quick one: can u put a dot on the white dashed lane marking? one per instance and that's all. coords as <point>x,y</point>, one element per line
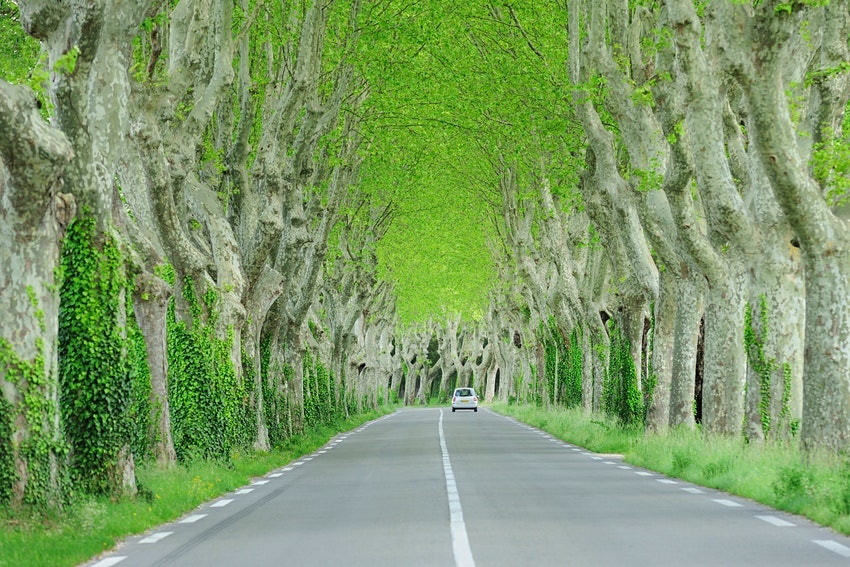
<point>729,503</point>
<point>192,519</point>
<point>778,522</point>
<point>244,491</point>
<point>221,503</point>
<point>834,546</point>
<point>693,490</point>
<point>153,538</point>
<point>110,561</point>
<point>666,481</point>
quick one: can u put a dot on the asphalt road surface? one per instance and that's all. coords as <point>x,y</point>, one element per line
<point>432,487</point>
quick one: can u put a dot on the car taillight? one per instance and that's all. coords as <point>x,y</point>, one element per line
<point>454,398</point>
<point>475,399</point>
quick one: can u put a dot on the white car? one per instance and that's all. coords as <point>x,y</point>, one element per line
<point>464,398</point>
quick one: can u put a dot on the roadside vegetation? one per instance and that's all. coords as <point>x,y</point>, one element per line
<point>90,525</point>
<point>778,474</point>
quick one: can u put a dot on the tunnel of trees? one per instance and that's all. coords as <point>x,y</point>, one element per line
<point>225,221</point>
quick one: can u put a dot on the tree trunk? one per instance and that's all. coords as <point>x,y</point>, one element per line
<point>261,297</point>
<point>150,304</point>
<point>663,333</point>
<point>824,236</point>
<point>33,217</point>
<point>690,302</point>
<point>295,388</point>
<point>725,360</point>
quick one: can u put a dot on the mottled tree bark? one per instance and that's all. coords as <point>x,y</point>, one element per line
<point>150,304</point>
<point>690,302</point>
<point>33,217</point>
<point>663,341</point>
<point>823,233</point>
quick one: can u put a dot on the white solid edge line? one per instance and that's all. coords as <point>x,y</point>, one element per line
<point>460,539</point>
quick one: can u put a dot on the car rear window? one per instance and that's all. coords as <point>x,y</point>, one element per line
<point>463,392</point>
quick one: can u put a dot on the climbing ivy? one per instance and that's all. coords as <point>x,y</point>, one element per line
<point>326,400</point>
<point>8,475</point>
<point>211,412</point>
<point>533,393</point>
<point>765,368</point>
<point>575,361</point>
<point>350,400</point>
<point>320,394</point>
<point>621,396</point>
<point>275,403</point>
<point>93,369</point>
<point>139,412</point>
<point>785,412</point>
<point>759,362</point>
<point>41,449</point>
<point>563,365</point>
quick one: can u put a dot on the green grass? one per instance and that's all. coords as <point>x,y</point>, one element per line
<point>90,526</point>
<point>779,475</point>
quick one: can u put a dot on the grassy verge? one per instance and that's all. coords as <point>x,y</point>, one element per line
<point>779,475</point>
<point>91,526</point>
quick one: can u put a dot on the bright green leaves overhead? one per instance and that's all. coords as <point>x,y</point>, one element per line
<point>458,90</point>
<point>436,254</point>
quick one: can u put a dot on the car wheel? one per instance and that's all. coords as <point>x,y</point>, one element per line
<point>453,410</point>
<point>476,410</point>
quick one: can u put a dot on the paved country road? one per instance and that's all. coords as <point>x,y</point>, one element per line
<point>432,487</point>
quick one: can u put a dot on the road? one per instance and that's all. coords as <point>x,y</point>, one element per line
<point>428,487</point>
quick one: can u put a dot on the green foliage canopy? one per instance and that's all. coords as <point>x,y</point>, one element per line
<point>457,92</point>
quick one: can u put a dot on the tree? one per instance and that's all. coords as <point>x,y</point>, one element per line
<point>33,217</point>
<point>810,199</point>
